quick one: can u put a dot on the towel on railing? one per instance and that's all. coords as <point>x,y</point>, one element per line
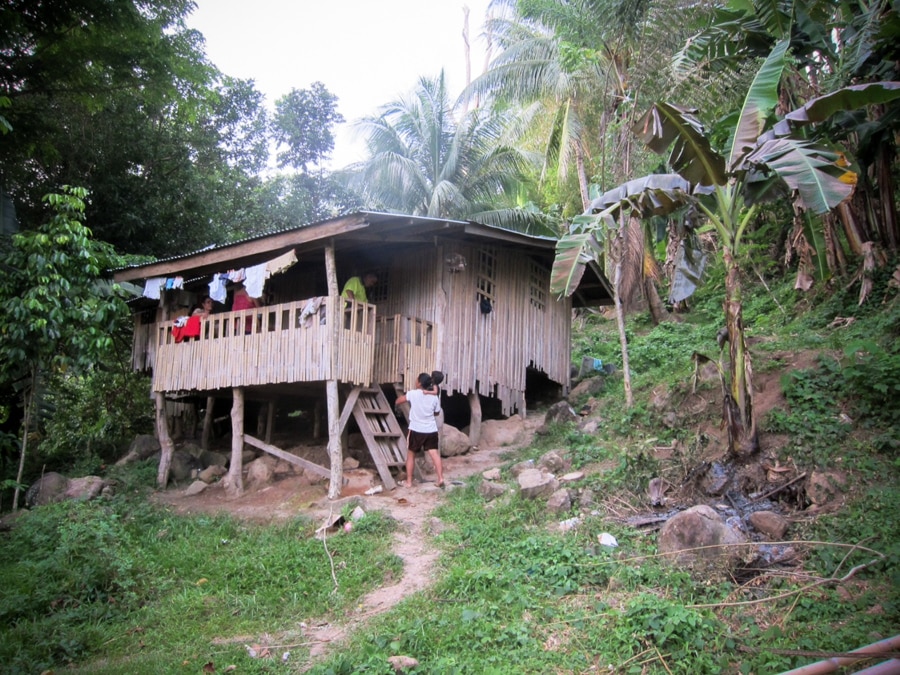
<point>187,329</point>
<point>313,305</point>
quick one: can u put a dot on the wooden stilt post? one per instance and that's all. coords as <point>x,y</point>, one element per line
<point>335,451</point>
<point>207,422</point>
<point>270,421</point>
<point>234,481</point>
<point>475,421</point>
<point>317,419</point>
<point>165,442</point>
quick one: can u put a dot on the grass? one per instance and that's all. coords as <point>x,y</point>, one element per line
<point>122,586</point>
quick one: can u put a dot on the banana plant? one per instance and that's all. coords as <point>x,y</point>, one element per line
<point>763,161</point>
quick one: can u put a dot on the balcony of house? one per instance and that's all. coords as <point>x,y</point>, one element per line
<point>303,341</point>
<point>311,340</point>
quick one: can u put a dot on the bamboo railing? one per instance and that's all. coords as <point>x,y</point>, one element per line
<point>282,344</point>
<point>268,345</point>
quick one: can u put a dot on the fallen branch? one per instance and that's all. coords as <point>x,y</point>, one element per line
<point>328,553</point>
<point>778,489</point>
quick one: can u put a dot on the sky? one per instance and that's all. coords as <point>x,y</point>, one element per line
<point>366,52</point>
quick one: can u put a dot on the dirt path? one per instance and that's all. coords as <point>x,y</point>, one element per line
<point>411,507</point>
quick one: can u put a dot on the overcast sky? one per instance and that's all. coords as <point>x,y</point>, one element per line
<point>366,52</point>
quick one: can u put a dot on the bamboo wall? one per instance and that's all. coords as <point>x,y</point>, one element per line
<point>484,353</point>
<point>277,347</point>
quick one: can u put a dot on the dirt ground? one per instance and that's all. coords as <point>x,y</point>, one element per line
<point>411,507</point>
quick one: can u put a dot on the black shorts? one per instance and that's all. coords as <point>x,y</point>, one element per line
<point>419,441</point>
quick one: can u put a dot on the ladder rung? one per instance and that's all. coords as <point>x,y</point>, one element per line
<point>377,411</point>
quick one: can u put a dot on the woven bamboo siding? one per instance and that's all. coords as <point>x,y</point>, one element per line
<point>404,347</point>
<point>266,345</point>
<point>143,349</point>
<point>489,353</point>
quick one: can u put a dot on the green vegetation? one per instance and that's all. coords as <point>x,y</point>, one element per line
<point>125,585</point>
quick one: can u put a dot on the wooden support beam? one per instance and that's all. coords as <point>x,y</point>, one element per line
<point>165,442</point>
<point>348,407</point>
<point>208,422</point>
<point>234,481</point>
<point>270,421</point>
<point>288,457</point>
<point>475,418</point>
<point>335,451</point>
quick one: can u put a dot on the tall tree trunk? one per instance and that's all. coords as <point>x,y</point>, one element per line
<point>167,448</point>
<point>890,235</point>
<point>658,312</point>
<point>614,247</point>
<point>582,177</point>
<point>743,438</point>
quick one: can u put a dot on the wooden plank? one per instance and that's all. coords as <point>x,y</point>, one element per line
<point>348,407</point>
<point>288,457</point>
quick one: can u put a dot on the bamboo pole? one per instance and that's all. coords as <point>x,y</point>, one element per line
<point>475,418</point>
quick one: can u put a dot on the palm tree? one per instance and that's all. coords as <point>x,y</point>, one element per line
<point>428,160</point>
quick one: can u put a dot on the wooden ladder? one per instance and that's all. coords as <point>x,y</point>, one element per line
<point>378,425</point>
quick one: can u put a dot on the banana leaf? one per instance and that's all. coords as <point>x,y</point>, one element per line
<point>573,253</point>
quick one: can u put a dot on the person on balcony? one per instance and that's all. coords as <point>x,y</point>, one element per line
<point>423,431</point>
<point>355,288</point>
<point>203,308</point>
<point>242,300</point>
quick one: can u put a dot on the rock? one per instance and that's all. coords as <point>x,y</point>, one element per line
<point>715,480</point>
<point>212,473</point>
<point>196,488</point>
<point>589,426</point>
<point>560,501</point>
<point>586,498</point>
<point>247,456</point>
<point>85,488</point>
<point>401,664</point>
<point>516,469</point>
<point>192,449</point>
<point>551,461</point>
<point>212,458</point>
<point>142,447</point>
<point>182,466</point>
<point>360,480</point>
<point>358,513</point>
<point>824,487</point>
<point>453,441</point>
<point>588,387</point>
<point>771,524</point>
<point>501,433</point>
<point>572,477</point>
<point>491,490</point>
<point>351,463</point>
<point>656,490</point>
<point>491,474</point>
<point>260,472</point>
<point>560,413</point>
<point>48,489</point>
<point>534,483</point>
<point>697,527</point>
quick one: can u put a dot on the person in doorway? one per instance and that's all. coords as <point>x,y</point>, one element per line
<point>355,288</point>
<point>423,431</point>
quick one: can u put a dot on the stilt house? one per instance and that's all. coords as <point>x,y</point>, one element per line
<point>470,300</point>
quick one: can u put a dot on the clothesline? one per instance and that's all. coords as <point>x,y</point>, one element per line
<point>253,278</point>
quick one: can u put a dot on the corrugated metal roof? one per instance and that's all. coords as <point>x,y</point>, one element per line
<point>374,216</point>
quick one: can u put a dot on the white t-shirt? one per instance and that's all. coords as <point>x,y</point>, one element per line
<point>422,410</point>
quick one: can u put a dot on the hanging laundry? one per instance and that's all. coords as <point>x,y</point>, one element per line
<point>174,282</point>
<point>236,276</point>
<point>281,263</point>
<point>255,280</point>
<point>312,306</point>
<point>152,287</point>
<point>217,290</point>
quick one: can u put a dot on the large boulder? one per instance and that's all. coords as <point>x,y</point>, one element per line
<point>698,527</point>
<point>560,412</point>
<point>588,387</point>
<point>552,462</point>
<point>85,488</point>
<point>453,441</point>
<point>560,501</point>
<point>769,523</point>
<point>260,472</point>
<point>183,467</point>
<point>141,448</point>
<point>501,433</point>
<point>211,458</point>
<point>48,489</point>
